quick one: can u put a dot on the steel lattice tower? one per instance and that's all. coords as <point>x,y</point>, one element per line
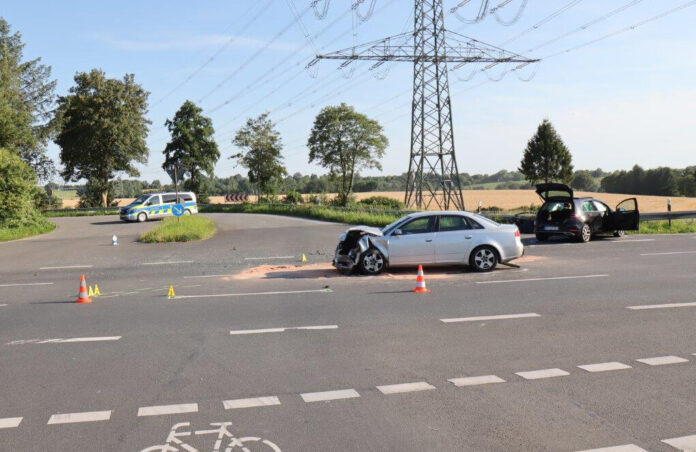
<point>433,176</point>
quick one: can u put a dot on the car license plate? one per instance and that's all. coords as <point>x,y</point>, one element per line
<point>551,228</point>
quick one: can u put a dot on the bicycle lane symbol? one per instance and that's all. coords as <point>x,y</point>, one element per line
<point>224,438</point>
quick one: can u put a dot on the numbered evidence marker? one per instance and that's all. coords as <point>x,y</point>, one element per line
<point>177,210</point>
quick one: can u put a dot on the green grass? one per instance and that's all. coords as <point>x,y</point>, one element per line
<point>66,194</point>
<point>42,227</point>
<point>374,218</point>
<point>79,213</point>
<point>184,229</point>
<point>662,227</point>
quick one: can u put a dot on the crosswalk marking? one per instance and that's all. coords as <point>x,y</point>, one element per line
<point>544,373</point>
<point>685,443</point>
<point>662,360</point>
<point>405,387</point>
<point>623,448</point>
<point>168,409</point>
<point>10,422</point>
<point>474,381</point>
<point>250,403</point>
<point>605,367</point>
<point>329,395</point>
<point>88,416</point>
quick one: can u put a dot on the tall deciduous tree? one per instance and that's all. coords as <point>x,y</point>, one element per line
<point>192,148</point>
<point>26,99</point>
<point>346,142</point>
<point>102,129</point>
<point>546,158</point>
<point>262,145</point>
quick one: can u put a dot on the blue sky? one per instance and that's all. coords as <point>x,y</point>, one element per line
<point>623,100</point>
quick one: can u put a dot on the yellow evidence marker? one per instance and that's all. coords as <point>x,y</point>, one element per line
<point>97,292</point>
<point>91,292</point>
<point>171,293</point>
<point>304,258</point>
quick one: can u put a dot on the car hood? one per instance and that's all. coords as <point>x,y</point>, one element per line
<point>365,229</point>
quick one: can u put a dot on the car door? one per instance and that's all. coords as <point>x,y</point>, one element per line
<point>592,215</point>
<point>453,239</point>
<point>168,202</point>
<point>606,216</point>
<point>626,217</point>
<point>412,242</point>
<point>154,206</point>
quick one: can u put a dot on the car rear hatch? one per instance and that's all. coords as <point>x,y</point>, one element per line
<point>554,192</point>
<point>558,207</point>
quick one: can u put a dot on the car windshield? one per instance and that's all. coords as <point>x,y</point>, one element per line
<point>140,199</point>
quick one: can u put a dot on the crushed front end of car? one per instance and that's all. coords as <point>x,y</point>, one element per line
<point>353,243</point>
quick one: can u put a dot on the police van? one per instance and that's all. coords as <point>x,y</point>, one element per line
<point>158,205</point>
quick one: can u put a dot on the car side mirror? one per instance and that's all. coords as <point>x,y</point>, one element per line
<point>398,232</point>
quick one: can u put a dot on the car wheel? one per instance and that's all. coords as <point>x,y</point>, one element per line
<point>585,233</point>
<point>619,233</point>
<point>484,259</point>
<point>372,262</point>
<point>542,237</point>
<point>142,216</point>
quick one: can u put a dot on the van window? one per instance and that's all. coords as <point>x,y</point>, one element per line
<point>185,198</point>
<point>168,199</point>
<point>154,201</point>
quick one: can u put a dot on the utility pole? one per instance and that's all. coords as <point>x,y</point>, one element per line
<point>433,176</point>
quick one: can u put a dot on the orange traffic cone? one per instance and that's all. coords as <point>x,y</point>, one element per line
<point>83,297</point>
<point>420,282</point>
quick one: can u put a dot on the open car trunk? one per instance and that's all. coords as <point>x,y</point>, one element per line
<point>554,192</point>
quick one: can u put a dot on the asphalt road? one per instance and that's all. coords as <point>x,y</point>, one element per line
<point>344,363</point>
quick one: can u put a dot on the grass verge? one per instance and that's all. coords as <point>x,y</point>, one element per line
<point>184,229</point>
<point>79,213</point>
<point>662,227</point>
<point>22,232</point>
<point>374,218</point>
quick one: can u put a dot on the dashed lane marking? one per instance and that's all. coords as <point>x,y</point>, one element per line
<point>64,341</point>
<point>168,409</point>
<point>65,267</point>
<point>267,258</point>
<point>475,381</point>
<point>544,373</point>
<point>662,360</point>
<point>10,422</point>
<point>167,263</point>
<point>222,295</point>
<point>280,330</point>
<point>72,418</point>
<point>555,278</point>
<point>661,306</point>
<point>250,403</point>
<point>26,284</point>
<point>324,396</point>
<point>623,448</point>
<point>668,254</point>
<point>685,443</point>
<point>1,305</point>
<point>405,387</point>
<point>605,367</point>
<point>208,276</point>
<point>491,317</point>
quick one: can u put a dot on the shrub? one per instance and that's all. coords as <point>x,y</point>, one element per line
<point>383,202</point>
<point>293,197</point>
<point>18,192</point>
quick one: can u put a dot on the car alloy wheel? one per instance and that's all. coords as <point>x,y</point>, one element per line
<point>619,233</point>
<point>372,262</point>
<point>484,259</point>
<point>142,217</point>
<point>585,233</point>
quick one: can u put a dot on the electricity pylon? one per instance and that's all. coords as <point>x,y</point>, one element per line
<point>433,176</point>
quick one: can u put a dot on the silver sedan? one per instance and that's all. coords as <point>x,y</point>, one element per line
<point>429,238</point>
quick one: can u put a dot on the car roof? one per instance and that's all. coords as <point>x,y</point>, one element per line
<point>437,212</point>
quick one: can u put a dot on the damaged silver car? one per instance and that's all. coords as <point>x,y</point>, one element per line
<point>429,238</point>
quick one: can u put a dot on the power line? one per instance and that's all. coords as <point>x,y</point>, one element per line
<point>543,21</point>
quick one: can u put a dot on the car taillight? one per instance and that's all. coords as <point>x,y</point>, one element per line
<point>517,233</point>
<point>573,216</point>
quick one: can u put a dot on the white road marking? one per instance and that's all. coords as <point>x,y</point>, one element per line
<point>405,387</point>
<point>685,443</point>
<point>632,240</point>
<point>623,448</point>
<point>605,367</point>
<point>10,422</point>
<point>288,292</point>
<point>1,305</point>
<point>491,317</point>
<point>65,267</point>
<point>71,418</point>
<point>544,373</point>
<point>309,397</point>
<point>168,409</point>
<point>64,341</point>
<point>267,258</point>
<point>167,263</point>
<point>207,276</point>
<point>475,381</point>
<point>27,284</point>
<point>661,306</point>
<point>662,360</point>
<point>280,330</point>
<point>668,254</point>
<point>250,403</point>
<point>540,279</point>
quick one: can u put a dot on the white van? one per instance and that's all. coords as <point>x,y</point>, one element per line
<point>158,205</point>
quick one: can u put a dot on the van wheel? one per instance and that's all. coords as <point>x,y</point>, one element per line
<point>619,233</point>
<point>484,259</point>
<point>585,233</point>
<point>187,212</point>
<point>142,217</point>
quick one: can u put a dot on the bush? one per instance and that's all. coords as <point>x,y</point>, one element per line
<point>184,229</point>
<point>383,202</point>
<point>18,192</point>
<point>293,197</point>
<point>321,199</point>
<point>343,201</point>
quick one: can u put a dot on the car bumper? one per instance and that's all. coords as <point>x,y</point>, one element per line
<point>128,217</point>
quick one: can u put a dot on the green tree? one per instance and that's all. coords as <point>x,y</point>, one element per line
<point>345,142</point>
<point>192,148</point>
<point>18,191</point>
<point>262,145</point>
<point>546,158</point>
<point>102,130</point>
<point>583,180</point>
<point>26,100</point>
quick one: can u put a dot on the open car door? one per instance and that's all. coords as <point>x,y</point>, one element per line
<point>626,216</point>
<point>554,191</point>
